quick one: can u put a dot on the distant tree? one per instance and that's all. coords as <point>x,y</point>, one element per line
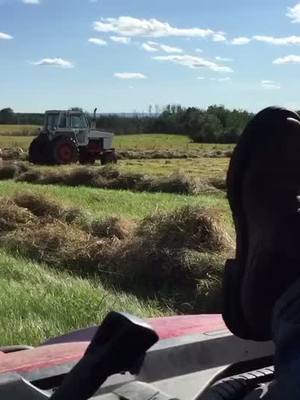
<point>221,113</point>
<point>7,116</point>
<point>206,128</point>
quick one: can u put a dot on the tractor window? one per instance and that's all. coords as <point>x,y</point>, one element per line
<point>78,121</point>
<point>51,121</point>
<point>63,121</point>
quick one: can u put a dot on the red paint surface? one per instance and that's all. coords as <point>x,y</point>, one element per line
<point>170,327</point>
<point>61,353</point>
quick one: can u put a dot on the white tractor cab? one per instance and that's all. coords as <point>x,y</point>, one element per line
<point>68,136</point>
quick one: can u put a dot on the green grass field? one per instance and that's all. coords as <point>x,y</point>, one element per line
<point>198,167</point>
<point>123,203</point>
<point>18,130</point>
<point>130,142</point>
<point>37,302</point>
<point>202,168</point>
<point>21,135</point>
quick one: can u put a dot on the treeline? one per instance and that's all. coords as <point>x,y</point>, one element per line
<point>8,116</point>
<point>216,124</point>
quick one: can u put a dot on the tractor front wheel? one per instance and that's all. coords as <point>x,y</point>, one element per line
<point>85,158</point>
<point>109,157</point>
<point>65,151</point>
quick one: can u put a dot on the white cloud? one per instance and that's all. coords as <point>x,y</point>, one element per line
<point>198,50</point>
<point>219,37</point>
<point>55,62</point>
<point>227,79</point>
<point>5,36</point>
<point>31,1</point>
<point>239,41</point>
<point>129,26</point>
<point>201,78</point>
<point>120,39</point>
<point>291,59</point>
<point>294,13</point>
<point>97,41</point>
<point>170,49</point>
<point>193,62</point>
<point>154,46</point>
<point>279,41</point>
<point>129,75</point>
<point>149,48</point>
<point>224,59</point>
<point>267,84</point>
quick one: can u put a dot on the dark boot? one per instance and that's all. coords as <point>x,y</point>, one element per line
<point>263,182</point>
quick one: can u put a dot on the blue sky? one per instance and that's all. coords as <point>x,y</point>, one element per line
<point>123,55</point>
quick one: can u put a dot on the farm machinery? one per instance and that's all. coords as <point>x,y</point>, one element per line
<point>192,357</point>
<point>68,137</point>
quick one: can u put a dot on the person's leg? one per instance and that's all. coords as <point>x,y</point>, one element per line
<point>286,334</point>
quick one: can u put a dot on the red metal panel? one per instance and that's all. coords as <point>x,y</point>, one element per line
<point>64,352</point>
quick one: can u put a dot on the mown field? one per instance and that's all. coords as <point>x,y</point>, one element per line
<point>18,130</point>
<point>21,135</point>
<point>133,250</point>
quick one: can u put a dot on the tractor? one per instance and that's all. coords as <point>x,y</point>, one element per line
<point>68,137</point>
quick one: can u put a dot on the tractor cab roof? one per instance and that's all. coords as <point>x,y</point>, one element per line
<point>70,111</point>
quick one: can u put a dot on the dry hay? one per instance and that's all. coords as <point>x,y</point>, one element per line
<point>13,217</point>
<point>112,178</point>
<point>12,153</point>
<point>178,183</point>
<point>180,253</point>
<point>30,176</point>
<point>78,176</point>
<point>8,172</point>
<point>218,154</point>
<point>59,245</point>
<point>12,170</point>
<point>111,227</point>
<point>191,227</point>
<point>127,181</point>
<point>182,273</point>
<point>158,154</point>
<point>44,207</point>
<point>219,182</point>
<point>50,178</point>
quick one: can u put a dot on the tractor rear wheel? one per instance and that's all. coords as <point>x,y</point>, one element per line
<point>65,151</point>
<point>40,150</point>
<point>109,158</point>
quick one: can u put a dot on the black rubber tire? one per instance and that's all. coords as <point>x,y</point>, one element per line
<point>40,150</point>
<point>65,151</point>
<point>109,157</point>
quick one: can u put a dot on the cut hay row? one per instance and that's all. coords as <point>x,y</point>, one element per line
<point>171,154</point>
<point>178,255</point>
<point>108,178</point>
<point>17,153</point>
